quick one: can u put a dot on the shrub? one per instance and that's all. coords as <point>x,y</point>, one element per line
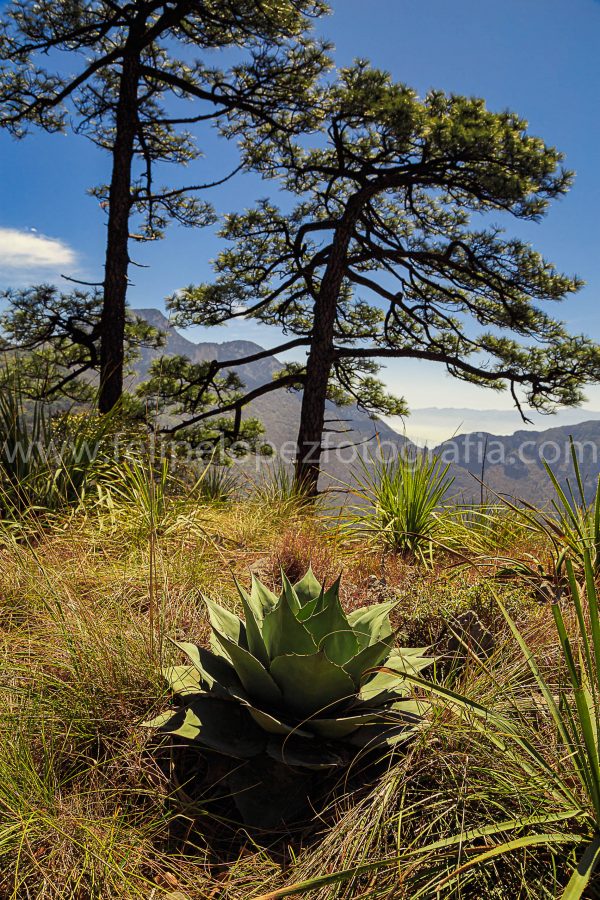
<point>46,462</point>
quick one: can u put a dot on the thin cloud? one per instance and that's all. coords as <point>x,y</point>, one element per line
<point>27,254</point>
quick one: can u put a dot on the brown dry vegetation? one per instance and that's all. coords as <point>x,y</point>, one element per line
<point>85,804</point>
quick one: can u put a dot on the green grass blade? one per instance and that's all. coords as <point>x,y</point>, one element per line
<point>585,869</point>
<point>592,598</point>
<point>500,850</point>
<point>577,470</point>
<point>576,596</point>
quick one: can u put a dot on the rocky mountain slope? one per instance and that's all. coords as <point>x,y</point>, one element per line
<point>280,411</point>
<point>510,464</point>
<point>514,464</point>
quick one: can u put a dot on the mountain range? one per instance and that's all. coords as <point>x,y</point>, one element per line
<point>509,464</point>
<point>433,425</point>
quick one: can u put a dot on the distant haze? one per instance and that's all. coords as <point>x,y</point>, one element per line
<point>433,425</point>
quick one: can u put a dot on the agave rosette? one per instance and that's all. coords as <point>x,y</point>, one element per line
<point>298,680</point>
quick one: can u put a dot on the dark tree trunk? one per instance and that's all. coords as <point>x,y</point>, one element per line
<point>320,356</point>
<point>112,337</point>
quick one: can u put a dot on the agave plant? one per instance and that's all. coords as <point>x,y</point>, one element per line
<point>297,687</point>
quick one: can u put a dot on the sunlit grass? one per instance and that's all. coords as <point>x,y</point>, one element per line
<point>86,601</point>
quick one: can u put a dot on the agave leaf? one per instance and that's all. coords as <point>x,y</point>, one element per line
<point>183,679</point>
<point>186,725</point>
<point>295,751</point>
<point>222,726</point>
<point>329,597</point>
<point>393,725</point>
<point>411,707</point>
<point>389,735</point>
<point>311,683</point>
<point>340,728</point>
<point>306,611</point>
<point>367,658</point>
<point>308,588</point>
<point>383,687</point>
<point>402,661</point>
<point>256,644</point>
<point>283,633</point>
<point>192,651</point>
<point>290,593</point>
<point>261,599</point>
<point>226,623</point>
<point>372,623</point>
<point>386,685</point>
<point>162,719</point>
<point>414,651</point>
<point>217,674</point>
<point>254,677</point>
<point>274,725</point>
<point>330,629</point>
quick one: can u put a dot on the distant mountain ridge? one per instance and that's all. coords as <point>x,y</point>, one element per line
<point>252,375</point>
<point>434,425</point>
<point>514,464</point>
<point>510,464</point>
<point>278,411</point>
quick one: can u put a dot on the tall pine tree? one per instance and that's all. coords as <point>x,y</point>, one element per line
<point>393,251</point>
<point>119,72</point>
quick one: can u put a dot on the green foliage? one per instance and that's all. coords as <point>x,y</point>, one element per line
<point>399,499</point>
<point>482,530</point>
<point>53,338</point>
<point>277,486</point>
<point>121,74</point>
<point>575,526</point>
<point>271,81</point>
<point>299,684</point>
<point>570,776</point>
<point>191,395</point>
<point>86,811</point>
<point>395,193</point>
<point>535,777</point>
<point>46,462</point>
<point>145,497</point>
<point>218,483</point>
<point>570,529</point>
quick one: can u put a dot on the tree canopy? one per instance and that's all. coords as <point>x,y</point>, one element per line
<point>136,79</point>
<point>392,250</point>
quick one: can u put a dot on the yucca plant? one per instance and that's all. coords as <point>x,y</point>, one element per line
<point>399,500</point>
<point>278,486</point>
<point>147,496</point>
<point>569,529</point>
<point>46,461</point>
<point>577,523</point>
<point>217,484</point>
<point>296,688</point>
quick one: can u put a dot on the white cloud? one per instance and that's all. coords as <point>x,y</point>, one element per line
<point>30,253</point>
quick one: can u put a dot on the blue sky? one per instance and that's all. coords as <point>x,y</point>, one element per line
<point>538,57</point>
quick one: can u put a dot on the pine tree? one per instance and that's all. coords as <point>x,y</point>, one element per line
<point>120,71</point>
<point>392,251</point>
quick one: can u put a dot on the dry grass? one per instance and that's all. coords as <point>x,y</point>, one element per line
<point>85,811</point>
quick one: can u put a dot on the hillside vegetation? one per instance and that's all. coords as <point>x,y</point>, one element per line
<point>486,800</point>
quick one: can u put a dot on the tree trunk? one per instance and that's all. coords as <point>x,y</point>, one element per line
<point>112,323</point>
<point>320,356</point>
